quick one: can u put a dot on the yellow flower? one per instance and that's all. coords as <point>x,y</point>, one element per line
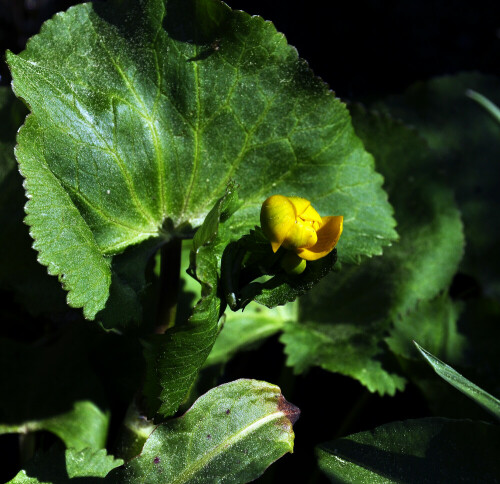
<point>292,223</point>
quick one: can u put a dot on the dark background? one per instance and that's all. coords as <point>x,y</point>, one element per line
<point>365,50</point>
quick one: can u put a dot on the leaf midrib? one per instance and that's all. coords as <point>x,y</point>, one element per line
<point>200,463</point>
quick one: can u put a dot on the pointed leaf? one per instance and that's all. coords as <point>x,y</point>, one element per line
<point>447,373</point>
<point>175,358</point>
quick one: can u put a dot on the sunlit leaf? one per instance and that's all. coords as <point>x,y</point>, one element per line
<point>230,434</point>
<point>71,465</point>
<point>141,114</point>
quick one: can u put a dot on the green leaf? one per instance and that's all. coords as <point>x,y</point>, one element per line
<point>248,264</point>
<point>175,358</point>
<point>483,398</point>
<point>431,243</point>
<point>86,425</point>
<point>467,141</point>
<point>485,102</point>
<point>20,272</point>
<point>343,322</point>
<point>137,126</point>
<point>415,451</point>
<point>344,348</point>
<point>232,433</point>
<point>434,324</point>
<point>243,330</point>
<point>56,466</point>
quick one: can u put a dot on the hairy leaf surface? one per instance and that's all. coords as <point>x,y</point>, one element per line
<point>230,434</point>
<point>342,323</point>
<point>143,111</point>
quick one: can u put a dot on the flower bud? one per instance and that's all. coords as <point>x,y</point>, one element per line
<point>293,223</point>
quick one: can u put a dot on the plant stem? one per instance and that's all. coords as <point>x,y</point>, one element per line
<point>170,266</point>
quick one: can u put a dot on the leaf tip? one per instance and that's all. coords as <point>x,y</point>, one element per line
<point>291,412</point>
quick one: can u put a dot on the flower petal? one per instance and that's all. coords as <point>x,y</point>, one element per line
<point>311,215</point>
<point>277,217</point>
<point>300,204</point>
<point>305,210</point>
<point>328,236</point>
<point>301,235</point>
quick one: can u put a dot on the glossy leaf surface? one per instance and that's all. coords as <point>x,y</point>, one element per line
<point>415,451</point>
<point>230,434</point>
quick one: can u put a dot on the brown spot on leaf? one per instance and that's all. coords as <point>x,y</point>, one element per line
<point>289,409</point>
<point>228,411</point>
<point>156,460</point>
<point>209,436</point>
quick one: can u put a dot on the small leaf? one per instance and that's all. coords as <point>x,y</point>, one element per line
<point>447,373</point>
<point>250,259</point>
<point>136,127</point>
<point>231,434</point>
<point>413,452</point>
<point>51,387</point>
<point>175,358</point>
<point>57,466</point>
<point>343,348</point>
<point>84,426</point>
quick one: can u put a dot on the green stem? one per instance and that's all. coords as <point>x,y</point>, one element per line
<point>170,267</point>
<point>135,431</point>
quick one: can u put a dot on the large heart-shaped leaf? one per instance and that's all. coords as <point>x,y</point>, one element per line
<point>20,272</point>
<point>141,113</point>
